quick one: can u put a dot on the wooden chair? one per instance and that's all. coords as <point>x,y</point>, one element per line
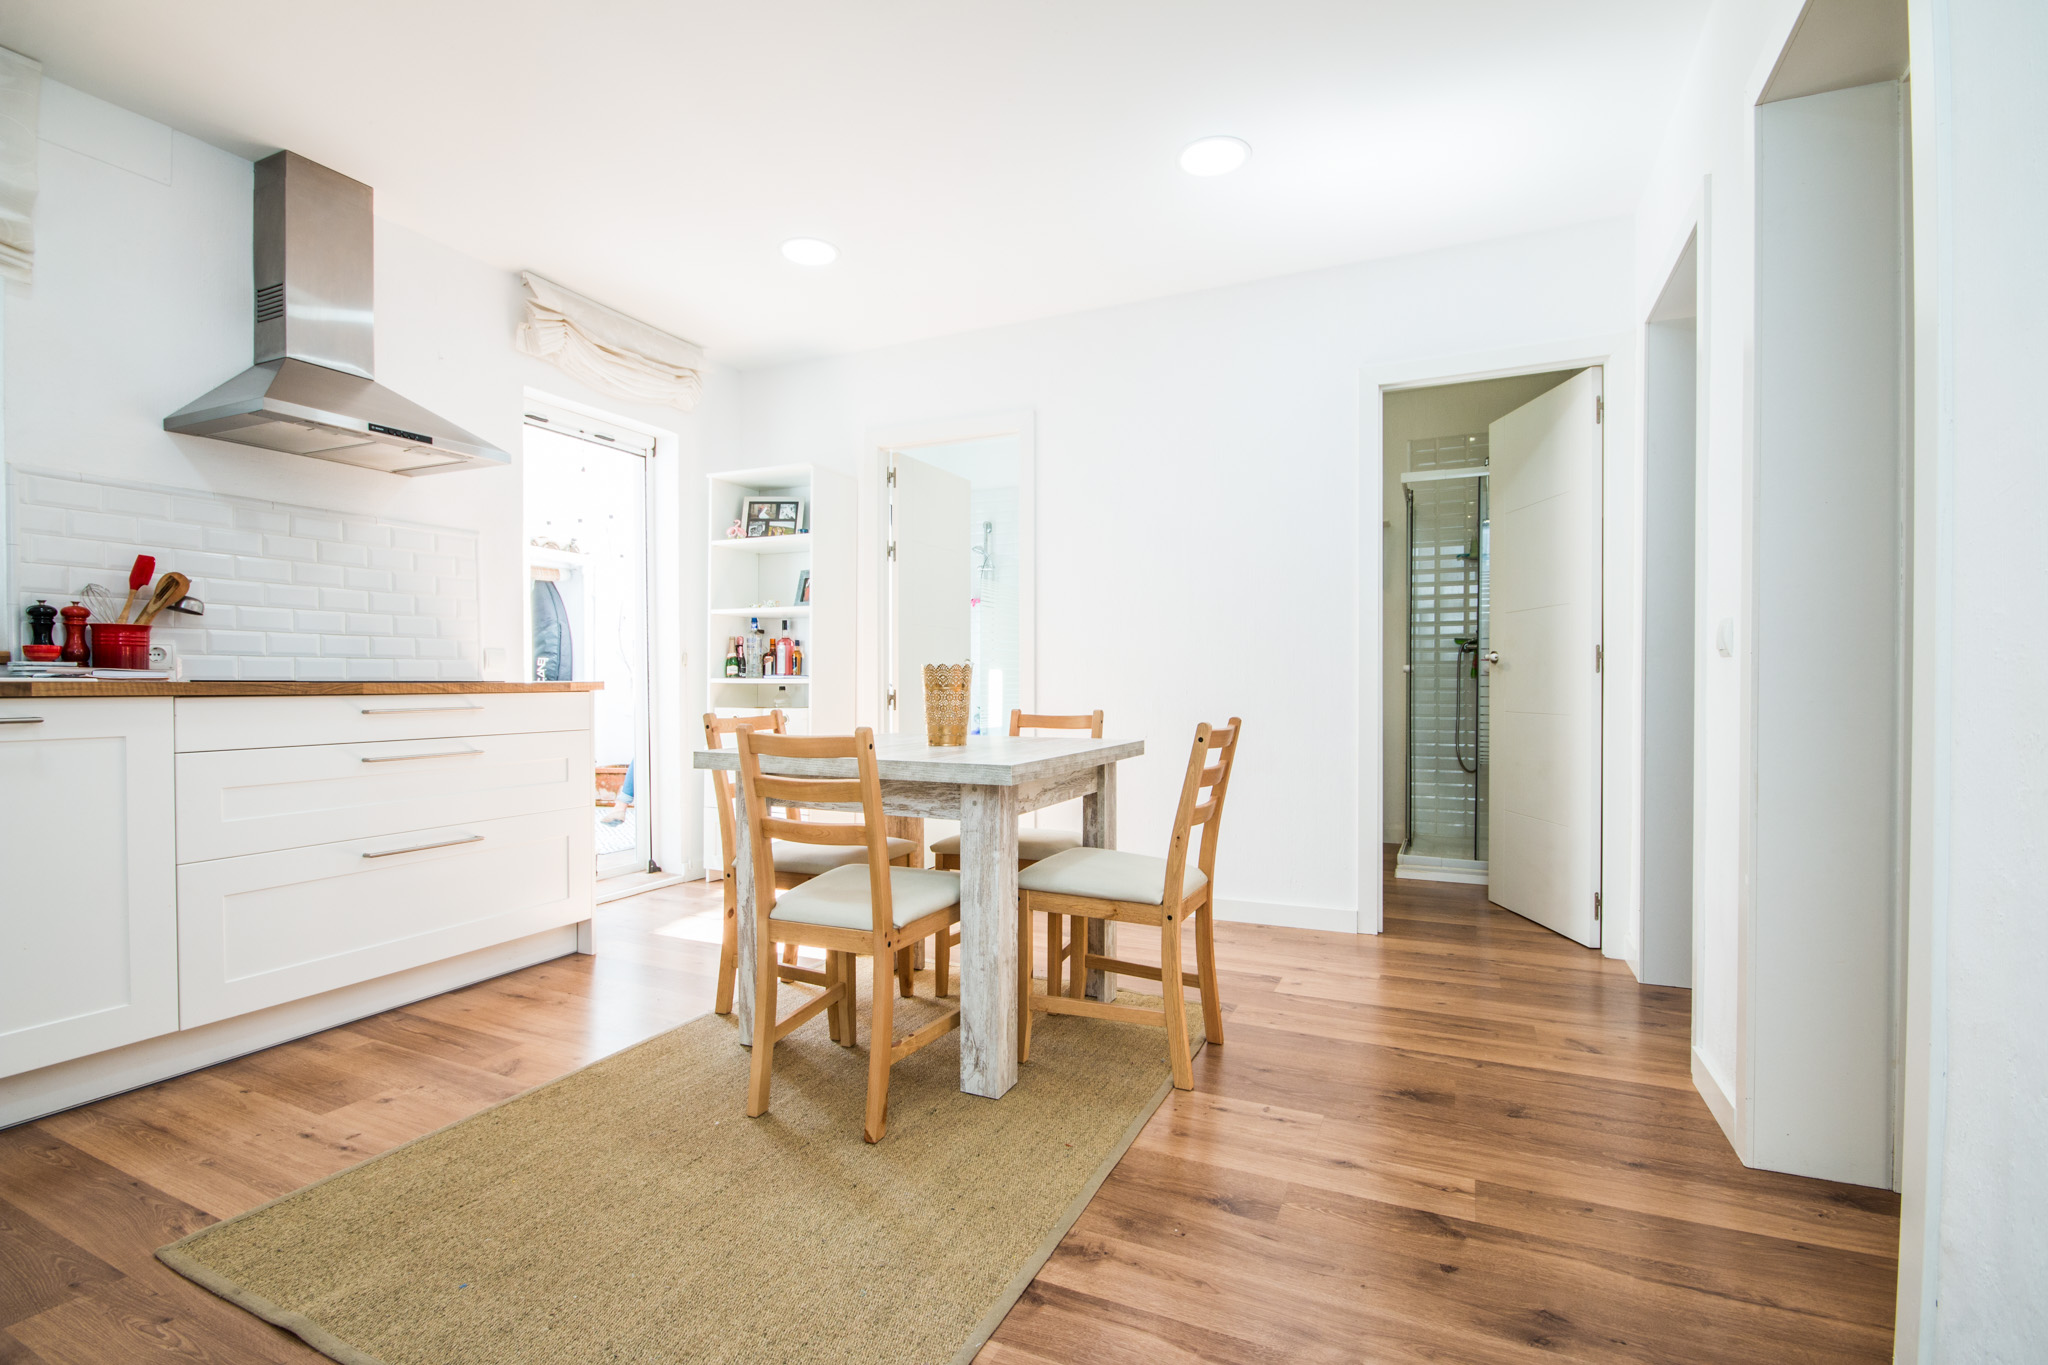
<point>1100,883</point>
<point>1032,845</point>
<point>865,909</point>
<point>798,864</point>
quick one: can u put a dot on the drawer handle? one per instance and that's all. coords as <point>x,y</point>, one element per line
<point>422,848</point>
<point>413,710</point>
<point>407,758</point>
<point>21,720</point>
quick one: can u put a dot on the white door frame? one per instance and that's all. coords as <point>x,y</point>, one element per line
<point>1617,353</point>
<point>871,660</point>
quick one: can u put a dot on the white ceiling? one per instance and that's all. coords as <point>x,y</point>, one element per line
<point>975,163</point>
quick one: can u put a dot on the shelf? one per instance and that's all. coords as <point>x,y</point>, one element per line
<point>761,611</point>
<point>785,680</point>
<point>764,545</point>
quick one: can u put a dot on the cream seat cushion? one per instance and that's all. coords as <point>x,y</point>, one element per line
<point>1032,844</point>
<point>1106,875</point>
<point>838,899</point>
<point>791,856</point>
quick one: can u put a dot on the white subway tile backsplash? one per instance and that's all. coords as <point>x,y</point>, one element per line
<point>266,670</point>
<point>262,618</point>
<point>229,541</point>
<point>293,591</point>
<point>291,595</point>
<point>262,570</point>
<point>320,575</point>
<point>102,526</point>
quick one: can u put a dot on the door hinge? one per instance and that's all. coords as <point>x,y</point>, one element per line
<point>1599,658</point>
<point>892,550</point>
<point>892,699</point>
<point>892,476</point>
<point>1596,907</point>
<point>1599,415</point>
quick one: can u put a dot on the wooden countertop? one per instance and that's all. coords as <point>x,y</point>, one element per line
<point>146,687</point>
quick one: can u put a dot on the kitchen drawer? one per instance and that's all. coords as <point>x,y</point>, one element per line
<point>88,923</point>
<point>277,722</point>
<point>233,802</point>
<point>260,930</point>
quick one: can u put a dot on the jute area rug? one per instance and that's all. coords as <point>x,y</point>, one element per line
<point>631,1212</point>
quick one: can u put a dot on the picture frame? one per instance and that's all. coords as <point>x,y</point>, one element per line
<point>759,509</point>
<point>803,588</point>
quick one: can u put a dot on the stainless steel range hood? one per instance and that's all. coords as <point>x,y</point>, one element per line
<point>313,390</point>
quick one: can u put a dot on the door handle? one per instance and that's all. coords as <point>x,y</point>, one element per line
<point>1492,656</point>
<point>413,710</point>
<point>21,720</point>
<point>422,848</point>
<point>407,758</point>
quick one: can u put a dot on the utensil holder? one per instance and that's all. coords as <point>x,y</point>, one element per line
<point>115,645</point>
<point>946,688</point>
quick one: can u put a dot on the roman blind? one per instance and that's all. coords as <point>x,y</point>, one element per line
<point>21,91</point>
<point>613,353</point>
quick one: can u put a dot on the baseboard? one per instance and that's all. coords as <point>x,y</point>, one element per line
<point>1327,918</point>
<point>633,883</point>
<point>66,1085</point>
<point>1440,874</point>
<point>1718,1102</point>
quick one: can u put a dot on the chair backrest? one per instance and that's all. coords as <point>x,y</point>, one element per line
<point>1020,722</point>
<point>716,728</point>
<point>862,791</point>
<point>1219,742</point>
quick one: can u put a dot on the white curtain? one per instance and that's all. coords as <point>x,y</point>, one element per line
<point>21,90</point>
<point>607,350</point>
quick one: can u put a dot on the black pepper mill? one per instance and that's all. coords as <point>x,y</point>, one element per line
<point>42,623</point>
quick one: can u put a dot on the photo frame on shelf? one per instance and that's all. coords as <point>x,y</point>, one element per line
<point>773,516</point>
<point>803,588</point>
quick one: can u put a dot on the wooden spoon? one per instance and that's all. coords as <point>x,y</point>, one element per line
<point>172,587</point>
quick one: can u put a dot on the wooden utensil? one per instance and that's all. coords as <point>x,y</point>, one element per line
<point>172,587</point>
<point>145,565</point>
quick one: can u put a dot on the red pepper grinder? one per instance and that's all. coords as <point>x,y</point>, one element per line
<point>74,634</point>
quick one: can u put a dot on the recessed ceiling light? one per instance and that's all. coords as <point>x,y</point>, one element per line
<point>810,251</point>
<point>1214,155</point>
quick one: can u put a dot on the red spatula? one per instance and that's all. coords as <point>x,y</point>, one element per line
<point>138,579</point>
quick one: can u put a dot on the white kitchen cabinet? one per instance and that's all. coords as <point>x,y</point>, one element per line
<point>259,930</point>
<point>88,915</point>
<point>233,802</point>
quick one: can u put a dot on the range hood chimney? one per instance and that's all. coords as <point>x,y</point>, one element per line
<point>313,389</point>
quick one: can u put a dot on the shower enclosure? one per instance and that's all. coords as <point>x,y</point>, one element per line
<point>1448,636</point>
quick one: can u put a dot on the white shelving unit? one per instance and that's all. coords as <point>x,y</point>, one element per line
<point>745,575</point>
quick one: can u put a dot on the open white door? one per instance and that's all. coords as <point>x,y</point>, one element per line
<point>1544,702</point>
<point>929,587</point>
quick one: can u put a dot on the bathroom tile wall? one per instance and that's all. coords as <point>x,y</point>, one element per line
<point>290,592</point>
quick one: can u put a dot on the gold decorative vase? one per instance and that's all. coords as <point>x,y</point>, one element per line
<point>945,704</point>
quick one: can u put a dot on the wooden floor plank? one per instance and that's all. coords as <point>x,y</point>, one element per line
<point>1464,1140</point>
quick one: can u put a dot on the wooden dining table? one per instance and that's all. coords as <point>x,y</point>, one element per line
<point>985,784</point>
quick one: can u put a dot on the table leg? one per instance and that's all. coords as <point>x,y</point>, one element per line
<point>743,889</point>
<point>1098,830</point>
<point>988,940</point>
<point>910,827</point>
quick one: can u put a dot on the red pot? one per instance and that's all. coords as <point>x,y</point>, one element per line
<point>119,646</point>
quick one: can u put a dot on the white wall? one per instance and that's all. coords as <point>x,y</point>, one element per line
<point>1974,1254</point>
<point>141,303</point>
<point>1177,582</point>
<point>1702,179</point>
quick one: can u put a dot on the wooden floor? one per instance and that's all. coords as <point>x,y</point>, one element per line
<point>1467,1140</point>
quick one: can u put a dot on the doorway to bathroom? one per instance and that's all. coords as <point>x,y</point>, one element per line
<point>1493,648</point>
<point>588,590</point>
